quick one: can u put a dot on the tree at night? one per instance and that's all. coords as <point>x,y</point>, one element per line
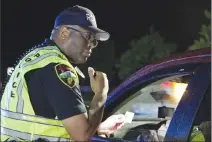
<point>143,51</point>
<point>204,40</point>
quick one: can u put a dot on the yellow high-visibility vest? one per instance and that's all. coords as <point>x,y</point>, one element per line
<point>18,119</point>
<point>197,135</point>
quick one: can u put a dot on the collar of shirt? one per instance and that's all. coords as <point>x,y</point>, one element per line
<point>49,42</point>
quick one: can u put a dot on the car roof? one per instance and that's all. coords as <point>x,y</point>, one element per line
<point>190,56</point>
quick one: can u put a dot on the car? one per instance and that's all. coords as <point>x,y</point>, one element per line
<point>168,98</point>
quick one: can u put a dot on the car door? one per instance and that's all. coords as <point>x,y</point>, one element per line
<point>183,119</point>
<point>123,99</point>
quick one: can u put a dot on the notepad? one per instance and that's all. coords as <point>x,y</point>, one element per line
<point>129,116</point>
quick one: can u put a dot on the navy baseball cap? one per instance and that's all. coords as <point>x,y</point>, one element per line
<point>83,17</point>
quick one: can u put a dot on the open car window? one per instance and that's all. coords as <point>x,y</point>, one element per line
<point>153,107</point>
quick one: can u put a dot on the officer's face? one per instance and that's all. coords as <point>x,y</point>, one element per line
<point>79,45</point>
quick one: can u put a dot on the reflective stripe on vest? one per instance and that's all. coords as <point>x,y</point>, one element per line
<point>30,118</point>
<point>32,125</point>
<point>39,59</point>
<point>10,86</point>
<point>28,136</point>
<point>18,119</point>
<point>20,85</point>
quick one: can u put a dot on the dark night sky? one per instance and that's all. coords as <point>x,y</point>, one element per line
<point>26,23</point>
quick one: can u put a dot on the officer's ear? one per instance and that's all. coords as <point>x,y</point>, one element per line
<point>65,33</point>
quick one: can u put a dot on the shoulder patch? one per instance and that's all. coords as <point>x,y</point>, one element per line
<point>67,75</point>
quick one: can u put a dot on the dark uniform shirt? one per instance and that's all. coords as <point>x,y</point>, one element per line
<point>50,97</point>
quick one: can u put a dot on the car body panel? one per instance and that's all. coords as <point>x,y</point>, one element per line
<point>181,64</point>
<point>179,128</point>
<point>199,56</point>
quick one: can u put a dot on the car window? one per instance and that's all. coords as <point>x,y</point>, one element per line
<point>201,127</point>
<point>153,107</point>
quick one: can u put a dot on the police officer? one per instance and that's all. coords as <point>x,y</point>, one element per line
<point>42,99</point>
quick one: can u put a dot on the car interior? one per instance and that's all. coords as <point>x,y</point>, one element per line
<point>153,107</point>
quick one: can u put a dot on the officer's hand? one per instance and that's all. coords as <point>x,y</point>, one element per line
<point>111,124</point>
<point>99,83</point>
